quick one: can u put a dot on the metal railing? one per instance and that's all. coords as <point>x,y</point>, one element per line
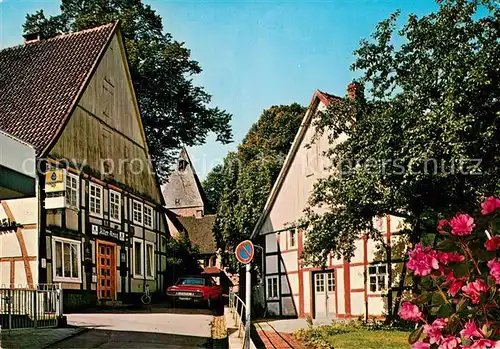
<point>238,309</point>
<point>30,307</point>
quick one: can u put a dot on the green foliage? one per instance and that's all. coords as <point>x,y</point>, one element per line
<point>425,141</point>
<point>181,259</point>
<point>351,334</point>
<point>174,111</point>
<point>213,186</point>
<point>248,175</point>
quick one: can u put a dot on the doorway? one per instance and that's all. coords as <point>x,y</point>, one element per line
<point>324,294</point>
<point>106,270</point>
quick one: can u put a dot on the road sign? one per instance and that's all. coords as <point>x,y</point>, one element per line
<point>244,251</point>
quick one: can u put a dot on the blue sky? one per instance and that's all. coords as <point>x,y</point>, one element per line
<point>255,54</point>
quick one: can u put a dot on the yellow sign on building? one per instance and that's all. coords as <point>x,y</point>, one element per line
<point>54,181</point>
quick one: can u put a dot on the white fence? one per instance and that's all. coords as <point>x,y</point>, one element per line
<point>238,309</point>
<point>30,307</point>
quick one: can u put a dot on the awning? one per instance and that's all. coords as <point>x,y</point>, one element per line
<point>17,168</point>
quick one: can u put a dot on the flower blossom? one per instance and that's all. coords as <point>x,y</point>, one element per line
<point>474,290</point>
<point>493,244</point>
<point>455,284</point>
<point>450,257</point>
<point>470,330</point>
<point>410,312</point>
<point>420,345</point>
<point>494,266</point>
<point>450,342</point>
<point>422,260</point>
<point>433,331</point>
<point>490,205</point>
<point>442,224</point>
<point>482,344</point>
<point>462,224</point>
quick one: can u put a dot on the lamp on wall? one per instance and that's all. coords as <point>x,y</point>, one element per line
<point>88,251</point>
<point>123,262</point>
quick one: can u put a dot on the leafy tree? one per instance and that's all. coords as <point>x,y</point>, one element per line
<point>249,174</point>
<point>425,141</point>
<point>181,259</point>
<point>213,186</point>
<point>174,110</point>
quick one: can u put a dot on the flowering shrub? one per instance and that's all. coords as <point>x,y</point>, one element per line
<point>458,305</point>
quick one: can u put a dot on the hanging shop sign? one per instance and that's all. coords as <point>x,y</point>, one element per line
<point>54,181</point>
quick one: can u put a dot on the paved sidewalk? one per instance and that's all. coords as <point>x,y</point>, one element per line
<point>270,338</point>
<point>36,338</point>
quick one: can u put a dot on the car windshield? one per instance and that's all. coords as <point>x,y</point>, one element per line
<point>191,281</point>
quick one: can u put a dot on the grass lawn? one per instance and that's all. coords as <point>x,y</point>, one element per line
<point>353,335</point>
<point>376,339</point>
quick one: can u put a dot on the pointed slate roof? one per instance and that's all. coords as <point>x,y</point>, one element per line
<point>40,83</point>
<point>183,188</point>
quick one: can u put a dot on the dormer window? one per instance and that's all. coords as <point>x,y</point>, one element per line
<point>182,165</point>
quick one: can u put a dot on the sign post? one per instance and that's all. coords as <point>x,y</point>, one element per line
<point>244,254</point>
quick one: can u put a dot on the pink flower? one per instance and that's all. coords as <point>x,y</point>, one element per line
<point>481,344</point>
<point>410,312</point>
<point>494,266</point>
<point>422,260</point>
<point>462,224</point>
<point>433,331</point>
<point>450,257</point>
<point>442,224</point>
<point>493,244</point>
<point>474,290</point>
<point>470,330</point>
<point>490,205</point>
<point>449,342</point>
<point>455,283</point>
<point>420,345</point>
<point>455,287</point>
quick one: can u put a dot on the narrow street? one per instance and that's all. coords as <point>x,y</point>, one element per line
<point>156,328</point>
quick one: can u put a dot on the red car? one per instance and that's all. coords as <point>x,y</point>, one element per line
<point>195,289</point>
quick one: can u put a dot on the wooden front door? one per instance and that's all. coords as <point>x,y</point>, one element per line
<point>106,270</point>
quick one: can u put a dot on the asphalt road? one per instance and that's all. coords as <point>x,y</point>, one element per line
<point>150,328</point>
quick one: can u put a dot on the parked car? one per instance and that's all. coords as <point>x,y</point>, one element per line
<point>195,289</point>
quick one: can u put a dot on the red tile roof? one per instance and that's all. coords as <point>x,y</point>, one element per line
<point>40,83</point>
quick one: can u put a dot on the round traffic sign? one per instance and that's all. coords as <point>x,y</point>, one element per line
<point>245,251</point>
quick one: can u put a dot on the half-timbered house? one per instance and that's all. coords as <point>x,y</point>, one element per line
<point>95,224</point>
<point>342,288</point>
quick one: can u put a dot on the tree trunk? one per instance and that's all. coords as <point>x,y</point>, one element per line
<point>414,238</point>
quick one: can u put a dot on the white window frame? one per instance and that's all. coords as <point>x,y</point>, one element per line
<point>146,244</point>
<point>272,280</point>
<point>330,276</point>
<point>295,236</point>
<point>151,211</point>
<point>77,189</point>
<point>376,275</point>
<point>320,287</point>
<point>101,199</point>
<point>142,259</point>
<point>78,259</point>
<point>111,193</point>
<point>140,204</point>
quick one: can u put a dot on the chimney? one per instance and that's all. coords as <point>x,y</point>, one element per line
<point>34,36</point>
<point>353,90</point>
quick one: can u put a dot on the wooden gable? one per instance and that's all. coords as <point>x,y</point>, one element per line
<point>105,131</point>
